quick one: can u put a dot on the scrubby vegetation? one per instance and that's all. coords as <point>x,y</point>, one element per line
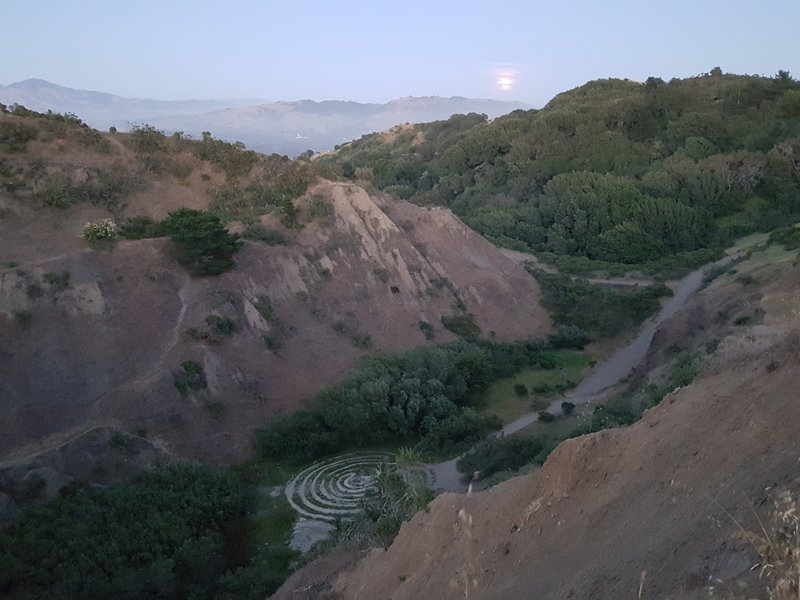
<point>611,174</point>
<point>425,394</point>
<point>584,311</point>
<point>498,454</point>
<point>173,533</point>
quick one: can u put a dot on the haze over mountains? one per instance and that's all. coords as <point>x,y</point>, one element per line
<point>283,127</point>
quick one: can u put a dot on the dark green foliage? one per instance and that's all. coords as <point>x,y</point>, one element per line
<point>606,417</point>
<point>463,325</point>
<point>612,171</point>
<point>34,290</point>
<point>569,336</point>
<point>567,407</point>
<point>14,137</point>
<point>423,393</point>
<point>233,158</point>
<point>684,370</point>
<point>205,246</point>
<point>498,454</point>
<point>520,389</point>
<point>302,435</point>
<point>427,330</point>
<point>546,417</point>
<point>222,325</point>
<point>101,187</point>
<point>191,377</point>
<point>596,310</point>
<point>161,536</point>
<point>388,504</point>
<point>788,237</point>
<point>57,281</point>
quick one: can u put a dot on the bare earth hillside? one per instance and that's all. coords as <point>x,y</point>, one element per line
<point>105,348</point>
<point>651,509</point>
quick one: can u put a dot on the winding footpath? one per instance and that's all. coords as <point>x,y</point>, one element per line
<point>444,477</point>
<point>331,490</point>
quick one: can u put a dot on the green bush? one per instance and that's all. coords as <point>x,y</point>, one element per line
<point>520,389</point>
<point>546,417</point>
<point>567,407</point>
<point>498,454</point>
<point>463,325</point>
<point>569,336</point>
<point>191,377</point>
<point>424,393</point>
<point>205,246</point>
<point>222,325</point>
<point>427,330</point>
<point>788,237</point>
<point>162,536</point>
<point>584,309</point>
<point>57,281</point>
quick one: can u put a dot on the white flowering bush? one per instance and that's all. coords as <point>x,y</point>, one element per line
<point>103,229</point>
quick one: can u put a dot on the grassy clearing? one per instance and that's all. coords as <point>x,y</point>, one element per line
<point>543,385</point>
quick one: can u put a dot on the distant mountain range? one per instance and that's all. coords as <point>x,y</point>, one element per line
<point>283,127</point>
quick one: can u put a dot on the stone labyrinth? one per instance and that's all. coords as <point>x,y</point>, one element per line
<point>334,488</point>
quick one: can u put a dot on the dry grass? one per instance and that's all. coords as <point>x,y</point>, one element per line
<point>777,544</point>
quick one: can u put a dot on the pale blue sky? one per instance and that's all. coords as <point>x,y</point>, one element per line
<point>378,50</point>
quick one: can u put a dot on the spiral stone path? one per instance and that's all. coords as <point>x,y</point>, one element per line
<point>333,489</point>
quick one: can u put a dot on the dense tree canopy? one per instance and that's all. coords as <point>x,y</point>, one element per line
<point>613,170</point>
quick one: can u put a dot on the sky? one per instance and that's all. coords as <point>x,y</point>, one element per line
<point>374,51</point>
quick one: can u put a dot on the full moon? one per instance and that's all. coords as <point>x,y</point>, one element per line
<point>506,82</point>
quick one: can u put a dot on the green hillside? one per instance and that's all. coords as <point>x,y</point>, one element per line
<point>614,171</point>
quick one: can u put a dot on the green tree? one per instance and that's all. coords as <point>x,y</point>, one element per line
<point>205,246</point>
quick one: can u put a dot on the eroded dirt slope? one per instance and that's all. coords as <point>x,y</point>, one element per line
<point>654,505</point>
<point>104,349</point>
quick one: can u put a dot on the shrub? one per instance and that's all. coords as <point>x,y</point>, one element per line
<point>222,325</point>
<point>567,407</point>
<point>206,247</point>
<point>569,336</point>
<point>463,325</point>
<point>520,389</point>
<point>427,330</point>
<point>407,455</point>
<point>58,281</point>
<point>191,377</point>
<point>498,454</point>
<point>103,229</point>
<point>546,417</point>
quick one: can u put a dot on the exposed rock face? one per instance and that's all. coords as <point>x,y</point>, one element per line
<point>105,349</point>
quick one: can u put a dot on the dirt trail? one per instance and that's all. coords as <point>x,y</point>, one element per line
<point>445,477</point>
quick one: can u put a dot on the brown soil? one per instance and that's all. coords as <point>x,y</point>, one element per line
<point>104,351</point>
<point>650,511</point>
